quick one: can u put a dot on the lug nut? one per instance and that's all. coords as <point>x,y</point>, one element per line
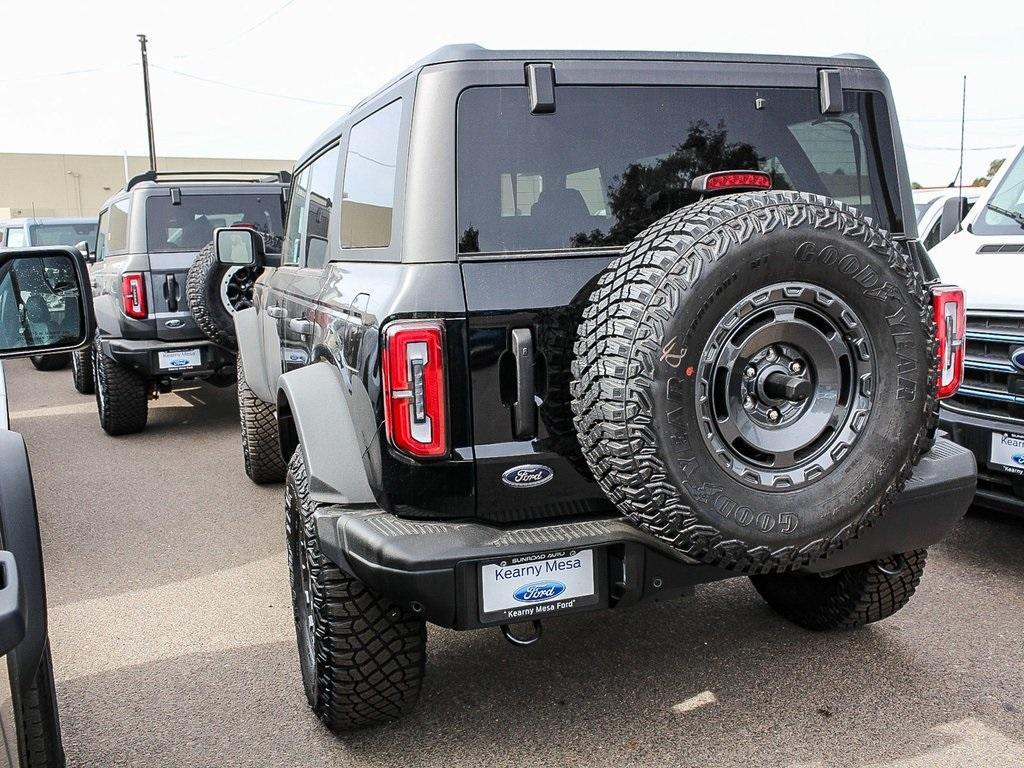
<point>774,415</point>
<point>796,367</point>
<point>748,403</point>
<point>750,372</point>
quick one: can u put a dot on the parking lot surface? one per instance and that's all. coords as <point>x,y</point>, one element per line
<point>173,644</point>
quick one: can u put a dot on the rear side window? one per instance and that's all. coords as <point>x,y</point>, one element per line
<point>189,226</point>
<point>612,160</point>
<point>15,238</point>
<point>64,234</point>
<point>368,202</point>
<point>117,228</point>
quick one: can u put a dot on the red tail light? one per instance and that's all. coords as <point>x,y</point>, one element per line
<point>731,181</point>
<point>133,295</point>
<point>415,405</point>
<point>951,325</point>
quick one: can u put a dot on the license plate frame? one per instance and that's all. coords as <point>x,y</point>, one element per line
<point>580,587</point>
<point>180,359</point>
<point>1006,452</point>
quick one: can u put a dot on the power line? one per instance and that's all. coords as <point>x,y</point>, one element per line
<point>69,73</point>
<point>237,37</point>
<point>222,84</point>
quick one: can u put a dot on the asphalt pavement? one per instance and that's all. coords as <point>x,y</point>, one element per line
<point>173,642</point>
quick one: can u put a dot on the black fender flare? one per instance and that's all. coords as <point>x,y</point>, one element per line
<point>313,414</point>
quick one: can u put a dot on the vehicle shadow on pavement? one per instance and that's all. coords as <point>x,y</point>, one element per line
<point>598,690</point>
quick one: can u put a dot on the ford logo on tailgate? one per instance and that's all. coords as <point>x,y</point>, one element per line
<point>539,590</point>
<point>527,475</point>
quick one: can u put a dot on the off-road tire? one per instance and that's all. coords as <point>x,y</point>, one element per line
<point>642,340</point>
<point>850,598</point>
<point>363,658</point>
<point>81,371</point>
<point>50,362</point>
<point>38,724</point>
<point>122,397</point>
<point>261,441</point>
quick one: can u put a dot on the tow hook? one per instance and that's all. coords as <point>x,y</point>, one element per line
<point>522,642</point>
<point>899,564</point>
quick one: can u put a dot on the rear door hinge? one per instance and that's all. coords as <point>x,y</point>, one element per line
<point>540,77</point>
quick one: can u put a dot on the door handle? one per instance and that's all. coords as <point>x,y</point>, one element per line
<point>278,313</point>
<point>524,410</point>
<point>301,327</point>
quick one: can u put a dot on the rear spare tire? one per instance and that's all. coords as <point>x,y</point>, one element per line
<point>215,292</point>
<point>753,378</point>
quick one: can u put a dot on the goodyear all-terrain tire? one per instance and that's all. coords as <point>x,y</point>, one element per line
<point>50,362</point>
<point>846,599</point>
<point>38,724</point>
<point>122,396</point>
<point>215,292</point>
<point>261,441</point>
<point>81,371</point>
<point>753,378</point>
<point>362,657</point>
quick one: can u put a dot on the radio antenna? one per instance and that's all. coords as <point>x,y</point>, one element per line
<point>960,187</point>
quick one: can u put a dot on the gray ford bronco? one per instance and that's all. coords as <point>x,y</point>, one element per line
<point>569,331</point>
<point>153,330</point>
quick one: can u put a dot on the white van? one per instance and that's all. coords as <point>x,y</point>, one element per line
<point>986,259</point>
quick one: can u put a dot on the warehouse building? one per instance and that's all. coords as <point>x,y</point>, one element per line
<point>77,185</point>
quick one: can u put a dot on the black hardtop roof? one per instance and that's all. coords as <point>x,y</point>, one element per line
<point>468,52</point>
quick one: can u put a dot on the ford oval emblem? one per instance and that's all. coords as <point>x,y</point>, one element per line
<point>538,590</point>
<point>174,323</point>
<point>1017,358</point>
<point>527,475</point>
<point>1018,458</point>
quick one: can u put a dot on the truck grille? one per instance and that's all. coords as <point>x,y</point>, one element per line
<point>993,386</point>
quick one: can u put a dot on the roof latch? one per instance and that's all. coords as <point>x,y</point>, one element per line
<point>830,91</point>
<point>540,78</point>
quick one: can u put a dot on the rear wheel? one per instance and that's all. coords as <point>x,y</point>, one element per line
<point>50,362</point>
<point>261,441</point>
<point>122,397</point>
<point>38,724</point>
<point>362,656</point>
<point>848,598</point>
<point>81,371</point>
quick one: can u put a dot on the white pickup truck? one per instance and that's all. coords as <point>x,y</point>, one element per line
<point>986,258</point>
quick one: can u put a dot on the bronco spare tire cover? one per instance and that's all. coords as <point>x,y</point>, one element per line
<point>215,292</point>
<point>753,378</point>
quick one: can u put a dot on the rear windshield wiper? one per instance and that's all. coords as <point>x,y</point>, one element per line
<point>1016,216</point>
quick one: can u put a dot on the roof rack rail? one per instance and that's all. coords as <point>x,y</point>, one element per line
<point>284,177</point>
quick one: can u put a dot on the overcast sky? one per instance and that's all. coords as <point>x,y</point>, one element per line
<point>70,81</point>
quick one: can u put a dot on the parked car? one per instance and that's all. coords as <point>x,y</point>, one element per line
<point>522,359</point>
<point>929,204</point>
<point>150,233</point>
<point>987,414</point>
<point>25,232</point>
<point>29,721</point>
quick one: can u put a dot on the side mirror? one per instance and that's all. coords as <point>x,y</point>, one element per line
<point>44,302</point>
<point>953,212</point>
<point>239,247</point>
<point>82,247</point>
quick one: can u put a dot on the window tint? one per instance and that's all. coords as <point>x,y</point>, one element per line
<point>117,234</point>
<point>101,236</point>
<point>189,225</point>
<point>612,160</point>
<point>309,212</point>
<point>369,197</point>
<point>15,238</point>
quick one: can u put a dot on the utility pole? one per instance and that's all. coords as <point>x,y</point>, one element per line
<point>149,105</point>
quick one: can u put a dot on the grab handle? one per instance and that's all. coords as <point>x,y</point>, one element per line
<point>524,410</point>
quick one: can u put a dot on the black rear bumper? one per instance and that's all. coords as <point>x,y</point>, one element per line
<point>433,568</point>
<point>997,488</point>
<point>143,356</point>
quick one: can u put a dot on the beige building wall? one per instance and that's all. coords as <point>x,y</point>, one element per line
<point>77,185</point>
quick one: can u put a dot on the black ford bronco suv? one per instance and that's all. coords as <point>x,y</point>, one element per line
<point>154,328</point>
<point>562,331</point>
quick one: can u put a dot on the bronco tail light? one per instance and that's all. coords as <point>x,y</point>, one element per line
<point>951,325</point>
<point>133,295</point>
<point>731,181</point>
<point>415,405</point>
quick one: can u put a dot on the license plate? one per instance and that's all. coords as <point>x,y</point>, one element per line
<point>533,586</point>
<point>180,359</point>
<point>1007,452</point>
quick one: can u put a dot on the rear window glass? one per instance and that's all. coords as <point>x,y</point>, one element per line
<point>612,160</point>
<point>64,234</point>
<point>190,225</point>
